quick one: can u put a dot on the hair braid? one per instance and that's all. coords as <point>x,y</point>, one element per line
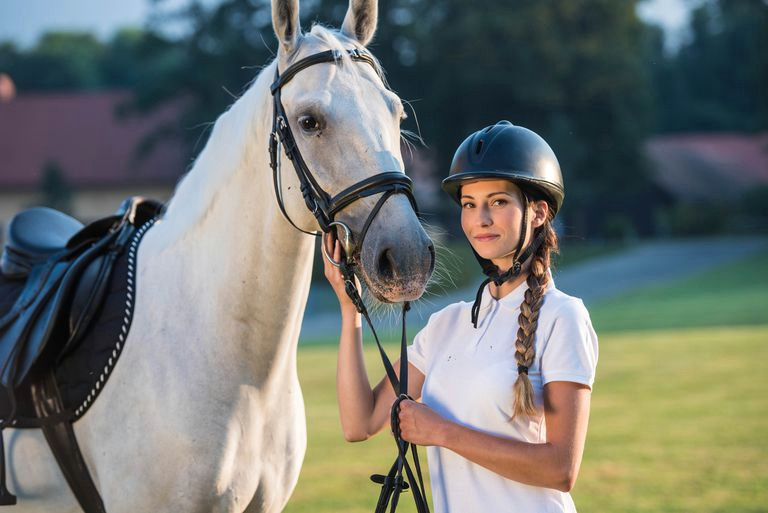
<point>528,320</point>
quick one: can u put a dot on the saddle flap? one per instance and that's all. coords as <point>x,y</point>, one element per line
<point>33,305</point>
<point>25,335</point>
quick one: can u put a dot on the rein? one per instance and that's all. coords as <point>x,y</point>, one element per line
<point>325,207</point>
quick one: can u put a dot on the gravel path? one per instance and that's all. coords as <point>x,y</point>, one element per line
<point>596,280</point>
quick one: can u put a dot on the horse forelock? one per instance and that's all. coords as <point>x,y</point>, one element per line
<point>321,38</point>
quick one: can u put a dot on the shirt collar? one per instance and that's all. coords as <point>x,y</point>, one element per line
<point>513,299</point>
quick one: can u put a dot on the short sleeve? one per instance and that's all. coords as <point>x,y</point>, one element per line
<point>570,351</point>
<point>418,353</point>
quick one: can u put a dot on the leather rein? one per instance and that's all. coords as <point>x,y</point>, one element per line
<point>325,207</point>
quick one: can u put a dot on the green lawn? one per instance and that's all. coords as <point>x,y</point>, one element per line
<point>679,423</point>
<point>735,294</point>
<point>679,411</point>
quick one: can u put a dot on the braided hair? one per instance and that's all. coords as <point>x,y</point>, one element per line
<point>538,277</point>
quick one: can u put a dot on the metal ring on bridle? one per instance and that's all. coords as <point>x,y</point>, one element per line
<point>325,207</point>
<point>346,244</point>
<point>322,205</point>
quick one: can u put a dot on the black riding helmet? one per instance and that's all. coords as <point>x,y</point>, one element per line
<point>508,152</point>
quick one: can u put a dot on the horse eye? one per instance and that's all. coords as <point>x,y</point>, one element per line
<point>309,124</point>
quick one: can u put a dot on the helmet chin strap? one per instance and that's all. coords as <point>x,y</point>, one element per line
<point>492,271</point>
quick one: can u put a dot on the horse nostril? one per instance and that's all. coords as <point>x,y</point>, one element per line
<point>431,249</point>
<point>386,265</point>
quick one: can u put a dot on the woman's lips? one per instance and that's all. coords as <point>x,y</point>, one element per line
<point>486,237</point>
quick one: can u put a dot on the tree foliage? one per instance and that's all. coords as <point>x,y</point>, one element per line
<point>718,81</point>
<point>588,75</point>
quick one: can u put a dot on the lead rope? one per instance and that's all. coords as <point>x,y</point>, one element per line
<point>393,484</point>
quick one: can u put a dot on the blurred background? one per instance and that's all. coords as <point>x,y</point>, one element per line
<point>656,109</point>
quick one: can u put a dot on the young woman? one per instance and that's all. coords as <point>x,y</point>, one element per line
<point>505,382</point>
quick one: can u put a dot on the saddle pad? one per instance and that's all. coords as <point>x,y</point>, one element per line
<point>82,372</point>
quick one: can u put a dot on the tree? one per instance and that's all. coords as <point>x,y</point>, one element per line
<point>718,80</point>
<point>59,61</point>
<point>575,71</point>
<point>572,70</point>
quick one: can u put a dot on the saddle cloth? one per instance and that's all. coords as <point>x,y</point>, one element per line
<point>66,303</point>
<point>69,313</point>
<point>82,364</point>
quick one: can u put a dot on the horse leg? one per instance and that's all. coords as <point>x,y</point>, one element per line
<point>33,475</point>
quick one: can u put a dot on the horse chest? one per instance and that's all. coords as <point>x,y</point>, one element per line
<point>264,466</point>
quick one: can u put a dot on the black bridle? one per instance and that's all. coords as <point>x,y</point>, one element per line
<point>322,205</point>
<point>325,207</point>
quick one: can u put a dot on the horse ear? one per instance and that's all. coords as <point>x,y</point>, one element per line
<point>360,21</point>
<point>285,20</point>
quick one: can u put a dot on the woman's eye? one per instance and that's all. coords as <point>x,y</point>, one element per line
<point>467,205</point>
<point>499,202</point>
<point>309,124</point>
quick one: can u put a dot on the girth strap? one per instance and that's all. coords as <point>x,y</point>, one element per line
<point>60,435</point>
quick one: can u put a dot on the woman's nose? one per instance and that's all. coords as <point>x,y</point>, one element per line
<point>485,217</point>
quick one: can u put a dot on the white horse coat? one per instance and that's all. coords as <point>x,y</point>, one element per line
<point>203,411</point>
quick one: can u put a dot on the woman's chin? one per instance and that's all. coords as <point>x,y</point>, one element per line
<point>488,253</point>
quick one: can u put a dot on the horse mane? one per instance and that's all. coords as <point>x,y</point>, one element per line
<point>239,126</point>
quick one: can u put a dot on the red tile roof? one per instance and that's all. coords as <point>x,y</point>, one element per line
<point>709,166</point>
<point>81,133</point>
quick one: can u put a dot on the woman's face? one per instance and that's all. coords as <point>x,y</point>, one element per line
<point>491,215</point>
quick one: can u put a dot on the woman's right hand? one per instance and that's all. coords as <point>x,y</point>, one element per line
<point>333,273</point>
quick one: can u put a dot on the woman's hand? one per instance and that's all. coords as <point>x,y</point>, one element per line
<point>333,273</point>
<point>419,424</point>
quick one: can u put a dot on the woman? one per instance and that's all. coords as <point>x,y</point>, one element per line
<point>504,383</point>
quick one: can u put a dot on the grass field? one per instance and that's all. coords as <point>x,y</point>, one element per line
<point>679,411</point>
<point>736,294</point>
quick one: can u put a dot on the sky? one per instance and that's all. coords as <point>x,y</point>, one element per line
<point>23,21</point>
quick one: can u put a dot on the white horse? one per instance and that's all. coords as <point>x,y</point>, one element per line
<point>203,411</point>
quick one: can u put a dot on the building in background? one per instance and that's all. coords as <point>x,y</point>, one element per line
<point>711,182</point>
<point>74,151</point>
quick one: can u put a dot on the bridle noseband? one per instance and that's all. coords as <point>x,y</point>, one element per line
<point>322,205</point>
<point>325,207</point>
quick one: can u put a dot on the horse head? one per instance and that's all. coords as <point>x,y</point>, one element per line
<point>345,122</point>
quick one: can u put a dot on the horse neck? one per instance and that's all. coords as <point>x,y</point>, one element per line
<point>225,247</point>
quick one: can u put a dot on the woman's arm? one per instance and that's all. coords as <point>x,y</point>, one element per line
<point>363,412</point>
<point>553,464</point>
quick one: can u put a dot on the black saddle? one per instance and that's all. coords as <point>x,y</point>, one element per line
<point>58,271</point>
<point>34,235</point>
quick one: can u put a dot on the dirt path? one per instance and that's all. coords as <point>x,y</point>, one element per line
<point>596,280</point>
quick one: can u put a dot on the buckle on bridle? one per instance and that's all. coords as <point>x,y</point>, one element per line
<point>346,244</point>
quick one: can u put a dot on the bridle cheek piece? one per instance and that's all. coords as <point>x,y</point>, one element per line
<point>322,205</point>
<point>325,207</point>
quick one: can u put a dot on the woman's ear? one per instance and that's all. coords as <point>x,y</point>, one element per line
<point>540,210</point>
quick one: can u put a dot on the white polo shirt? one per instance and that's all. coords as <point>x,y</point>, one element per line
<point>469,377</point>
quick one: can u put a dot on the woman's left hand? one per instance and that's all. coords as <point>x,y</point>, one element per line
<point>419,424</point>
